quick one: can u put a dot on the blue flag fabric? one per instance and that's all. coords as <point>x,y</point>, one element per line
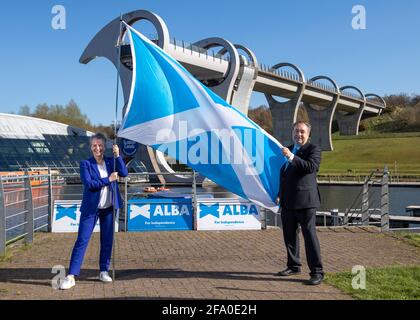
<point>172,112</point>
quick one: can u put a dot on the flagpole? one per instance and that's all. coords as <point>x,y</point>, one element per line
<point>115,142</point>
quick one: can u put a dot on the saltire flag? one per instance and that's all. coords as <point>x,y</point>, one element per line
<point>172,112</point>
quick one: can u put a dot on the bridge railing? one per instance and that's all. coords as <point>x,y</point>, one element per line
<point>185,46</point>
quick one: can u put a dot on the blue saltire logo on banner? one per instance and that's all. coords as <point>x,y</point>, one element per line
<point>160,214</point>
<point>66,211</point>
<point>209,210</point>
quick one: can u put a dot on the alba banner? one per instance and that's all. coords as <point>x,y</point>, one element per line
<point>160,214</point>
<point>66,217</point>
<point>227,214</point>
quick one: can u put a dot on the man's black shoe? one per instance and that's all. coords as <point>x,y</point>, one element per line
<point>315,279</point>
<point>288,272</point>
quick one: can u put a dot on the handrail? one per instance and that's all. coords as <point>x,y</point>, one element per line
<point>346,214</point>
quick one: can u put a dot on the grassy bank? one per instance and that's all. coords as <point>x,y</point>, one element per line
<point>389,283</point>
<point>411,238</point>
<point>365,153</point>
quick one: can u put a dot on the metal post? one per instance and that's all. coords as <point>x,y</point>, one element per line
<point>365,203</point>
<point>29,227</point>
<point>264,220</point>
<point>346,217</point>
<point>2,221</point>
<point>194,201</point>
<point>50,200</point>
<point>114,194</point>
<point>280,221</point>
<point>334,217</point>
<point>385,201</point>
<point>125,203</point>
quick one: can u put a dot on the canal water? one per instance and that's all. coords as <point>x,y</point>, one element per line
<point>343,196</point>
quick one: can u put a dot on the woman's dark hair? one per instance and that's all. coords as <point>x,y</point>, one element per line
<point>98,136</point>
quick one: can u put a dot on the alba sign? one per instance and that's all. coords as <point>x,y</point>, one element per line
<point>66,217</point>
<point>159,214</point>
<point>227,214</point>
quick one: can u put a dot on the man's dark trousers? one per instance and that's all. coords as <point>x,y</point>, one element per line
<point>306,218</point>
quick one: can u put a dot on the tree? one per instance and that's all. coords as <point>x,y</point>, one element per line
<point>70,114</point>
<point>24,111</point>
<point>262,116</point>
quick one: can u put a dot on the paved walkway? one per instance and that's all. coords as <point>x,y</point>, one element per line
<point>196,264</point>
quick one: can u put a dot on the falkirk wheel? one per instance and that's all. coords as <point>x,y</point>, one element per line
<point>234,77</point>
<point>105,44</point>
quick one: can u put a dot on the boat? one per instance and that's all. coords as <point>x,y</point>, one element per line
<point>150,189</point>
<point>38,177</point>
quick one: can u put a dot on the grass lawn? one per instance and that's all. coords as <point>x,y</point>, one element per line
<point>363,154</point>
<point>14,249</point>
<point>389,283</point>
<point>412,238</point>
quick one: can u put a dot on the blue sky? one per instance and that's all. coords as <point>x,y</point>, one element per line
<point>40,64</point>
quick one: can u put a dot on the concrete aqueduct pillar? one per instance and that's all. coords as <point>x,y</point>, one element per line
<point>321,116</point>
<point>284,114</point>
<point>348,123</point>
<point>245,81</point>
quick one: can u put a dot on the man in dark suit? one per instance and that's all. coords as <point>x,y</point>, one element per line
<point>299,198</point>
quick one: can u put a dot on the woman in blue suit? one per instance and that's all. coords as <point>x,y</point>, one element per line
<point>100,195</point>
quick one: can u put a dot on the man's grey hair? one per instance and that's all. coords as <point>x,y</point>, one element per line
<point>98,136</point>
<point>307,124</point>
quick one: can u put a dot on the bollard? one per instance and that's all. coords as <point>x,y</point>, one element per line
<point>334,217</point>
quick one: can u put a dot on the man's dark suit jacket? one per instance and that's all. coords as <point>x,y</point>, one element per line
<point>299,188</point>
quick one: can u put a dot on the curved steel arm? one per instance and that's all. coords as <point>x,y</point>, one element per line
<point>326,78</point>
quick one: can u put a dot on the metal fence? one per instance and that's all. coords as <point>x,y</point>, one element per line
<point>362,211</point>
<point>25,206</point>
<point>26,201</point>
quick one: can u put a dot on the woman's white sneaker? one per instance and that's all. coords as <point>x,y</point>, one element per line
<point>104,277</point>
<point>68,282</point>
